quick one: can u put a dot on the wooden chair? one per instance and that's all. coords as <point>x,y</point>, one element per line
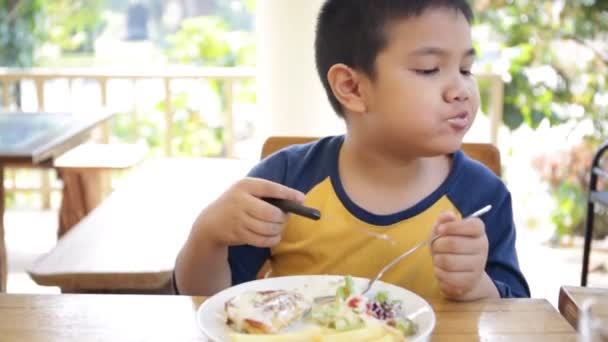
<point>485,153</point>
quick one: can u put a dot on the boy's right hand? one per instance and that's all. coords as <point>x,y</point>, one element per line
<point>239,216</point>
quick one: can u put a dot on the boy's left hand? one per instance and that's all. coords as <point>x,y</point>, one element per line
<point>459,258</point>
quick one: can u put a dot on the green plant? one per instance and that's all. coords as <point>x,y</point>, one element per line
<point>557,71</point>
<point>567,174</point>
<point>73,25</point>
<point>20,32</point>
<point>27,24</point>
<point>206,41</point>
<point>192,134</point>
<point>125,129</point>
<point>569,214</point>
<point>557,56</point>
<point>202,41</point>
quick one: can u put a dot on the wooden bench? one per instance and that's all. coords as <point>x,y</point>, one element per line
<point>84,172</point>
<point>129,243</point>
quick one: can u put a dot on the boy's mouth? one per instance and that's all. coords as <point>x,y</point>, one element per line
<point>459,121</point>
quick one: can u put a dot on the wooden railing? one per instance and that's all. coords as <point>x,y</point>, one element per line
<point>229,76</point>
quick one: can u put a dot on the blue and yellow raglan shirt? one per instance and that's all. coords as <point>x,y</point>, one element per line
<point>338,243</point>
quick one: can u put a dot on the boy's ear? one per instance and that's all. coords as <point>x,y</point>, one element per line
<point>345,83</point>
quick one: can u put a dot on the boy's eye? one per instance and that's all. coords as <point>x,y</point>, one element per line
<point>426,72</point>
<point>466,72</point>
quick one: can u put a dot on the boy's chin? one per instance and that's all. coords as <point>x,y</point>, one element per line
<point>448,147</point>
<point>434,148</point>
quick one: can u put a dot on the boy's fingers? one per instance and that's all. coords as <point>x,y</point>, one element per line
<point>262,241</point>
<point>444,217</point>
<point>454,244</point>
<point>454,280</point>
<point>263,211</point>
<point>472,227</point>
<point>264,188</point>
<point>456,262</point>
<point>452,291</point>
<point>257,240</point>
<point>263,228</point>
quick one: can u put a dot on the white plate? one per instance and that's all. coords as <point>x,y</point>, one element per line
<point>211,318</point>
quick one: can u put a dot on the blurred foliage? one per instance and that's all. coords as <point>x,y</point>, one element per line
<point>250,5</point>
<point>192,134</point>
<point>557,58</point>
<point>202,41</point>
<point>208,42</point>
<point>25,25</point>
<point>73,25</point>
<point>238,13</point>
<point>198,111</point>
<point>567,172</point>
<point>126,129</point>
<point>20,33</point>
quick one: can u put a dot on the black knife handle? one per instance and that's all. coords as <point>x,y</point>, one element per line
<point>294,207</point>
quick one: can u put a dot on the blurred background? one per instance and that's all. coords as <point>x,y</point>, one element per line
<point>213,78</point>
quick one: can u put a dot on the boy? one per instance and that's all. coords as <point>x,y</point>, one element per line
<point>399,73</point>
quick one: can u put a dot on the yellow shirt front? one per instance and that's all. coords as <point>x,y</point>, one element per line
<point>338,244</point>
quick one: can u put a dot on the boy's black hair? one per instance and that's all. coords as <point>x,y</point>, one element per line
<point>353,32</point>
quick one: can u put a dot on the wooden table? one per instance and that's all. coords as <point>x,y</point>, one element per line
<point>95,317</point>
<point>571,298</point>
<point>129,243</point>
<point>34,140</point>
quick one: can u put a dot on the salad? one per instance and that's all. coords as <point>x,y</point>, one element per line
<point>349,311</point>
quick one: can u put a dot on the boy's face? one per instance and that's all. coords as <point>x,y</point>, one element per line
<point>423,98</point>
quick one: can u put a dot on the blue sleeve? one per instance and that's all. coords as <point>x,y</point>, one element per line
<point>502,265</point>
<point>474,187</point>
<point>245,261</point>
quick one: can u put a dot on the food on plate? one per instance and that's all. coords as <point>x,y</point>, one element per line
<point>374,332</point>
<point>304,335</point>
<point>265,312</point>
<point>371,331</point>
<point>281,315</point>
<point>349,311</point>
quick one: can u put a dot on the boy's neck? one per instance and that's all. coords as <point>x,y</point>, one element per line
<point>385,184</point>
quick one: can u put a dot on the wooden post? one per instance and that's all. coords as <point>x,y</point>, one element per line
<point>105,127</point>
<point>104,178</point>
<point>45,177</point>
<point>135,112</point>
<point>229,135</point>
<point>496,107</point>
<point>168,117</point>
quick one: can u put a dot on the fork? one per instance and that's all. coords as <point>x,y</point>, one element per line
<point>405,254</point>
<point>415,248</point>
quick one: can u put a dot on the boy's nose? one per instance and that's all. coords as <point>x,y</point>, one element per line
<point>456,92</point>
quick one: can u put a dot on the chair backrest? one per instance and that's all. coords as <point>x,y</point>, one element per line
<point>486,154</point>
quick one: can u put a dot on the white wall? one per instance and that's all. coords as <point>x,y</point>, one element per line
<point>291,98</point>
